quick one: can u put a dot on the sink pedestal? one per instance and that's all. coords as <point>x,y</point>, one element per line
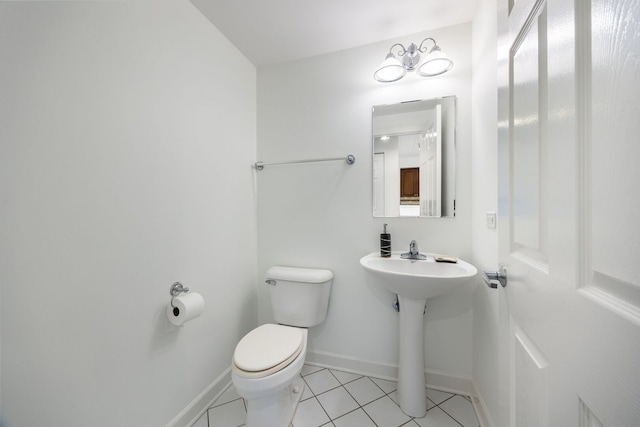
<point>414,281</point>
<point>412,391</point>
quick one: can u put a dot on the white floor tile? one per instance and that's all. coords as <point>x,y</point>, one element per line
<point>228,415</point>
<point>437,396</point>
<point>364,390</point>
<point>354,419</point>
<point>436,417</point>
<point>345,377</point>
<point>321,381</point>
<point>308,369</point>
<point>394,396</point>
<point>229,394</point>
<point>462,410</point>
<point>307,393</point>
<point>337,402</point>
<point>430,404</point>
<point>202,421</point>
<point>310,414</point>
<point>386,385</point>
<point>385,413</point>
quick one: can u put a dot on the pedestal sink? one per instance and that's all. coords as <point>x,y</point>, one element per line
<point>414,281</point>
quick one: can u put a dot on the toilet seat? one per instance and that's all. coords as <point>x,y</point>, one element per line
<point>266,350</point>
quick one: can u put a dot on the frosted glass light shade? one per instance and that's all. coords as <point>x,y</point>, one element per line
<point>436,63</point>
<point>390,70</point>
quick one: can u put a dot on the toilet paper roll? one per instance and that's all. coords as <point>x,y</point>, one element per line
<point>185,307</point>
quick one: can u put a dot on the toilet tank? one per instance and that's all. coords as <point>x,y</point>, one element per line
<point>299,296</point>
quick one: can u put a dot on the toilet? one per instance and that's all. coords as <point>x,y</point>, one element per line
<point>267,361</point>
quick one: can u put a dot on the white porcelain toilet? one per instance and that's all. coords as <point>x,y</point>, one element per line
<point>267,361</point>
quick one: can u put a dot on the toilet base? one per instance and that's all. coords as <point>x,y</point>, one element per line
<point>276,410</point>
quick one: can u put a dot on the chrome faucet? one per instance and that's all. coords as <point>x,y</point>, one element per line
<point>413,253</point>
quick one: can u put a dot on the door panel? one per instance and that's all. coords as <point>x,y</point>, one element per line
<point>569,167</point>
<point>531,384</point>
<point>526,127</point>
<point>614,209</point>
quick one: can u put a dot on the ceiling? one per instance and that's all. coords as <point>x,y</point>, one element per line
<point>270,32</point>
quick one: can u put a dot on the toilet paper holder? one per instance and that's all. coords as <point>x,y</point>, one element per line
<point>177,289</point>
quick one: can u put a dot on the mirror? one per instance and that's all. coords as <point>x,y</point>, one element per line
<point>414,158</point>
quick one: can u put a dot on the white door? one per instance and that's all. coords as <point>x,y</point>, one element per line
<point>378,184</point>
<point>431,167</point>
<point>569,212</point>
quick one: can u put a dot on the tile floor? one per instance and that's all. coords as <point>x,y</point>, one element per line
<point>339,399</point>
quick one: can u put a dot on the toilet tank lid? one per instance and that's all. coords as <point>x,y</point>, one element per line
<point>296,274</point>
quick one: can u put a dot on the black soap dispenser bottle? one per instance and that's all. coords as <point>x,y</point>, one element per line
<point>385,243</point>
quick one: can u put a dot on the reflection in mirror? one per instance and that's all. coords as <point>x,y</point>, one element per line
<point>414,158</point>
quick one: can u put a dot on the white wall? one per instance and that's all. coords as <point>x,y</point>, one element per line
<point>128,131</point>
<point>485,199</point>
<point>319,214</point>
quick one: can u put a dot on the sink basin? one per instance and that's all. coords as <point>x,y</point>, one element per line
<point>418,279</point>
<point>414,281</point>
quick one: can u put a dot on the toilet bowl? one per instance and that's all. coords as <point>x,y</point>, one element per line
<point>268,360</point>
<point>273,393</point>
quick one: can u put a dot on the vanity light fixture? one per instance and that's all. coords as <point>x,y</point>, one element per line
<point>436,62</point>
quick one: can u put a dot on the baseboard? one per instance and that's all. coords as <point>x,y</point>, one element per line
<point>350,364</point>
<point>194,410</point>
<point>437,380</point>
<point>479,404</point>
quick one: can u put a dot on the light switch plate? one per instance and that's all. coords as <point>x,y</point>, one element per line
<point>491,220</point>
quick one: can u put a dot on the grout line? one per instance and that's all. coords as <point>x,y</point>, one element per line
<point>332,419</point>
<point>367,414</point>
<point>306,388</point>
<point>311,373</point>
<point>360,406</point>
<point>325,411</point>
<point>447,399</point>
<point>326,391</point>
<point>443,410</point>
<point>347,413</point>
<point>348,382</point>
<point>354,399</point>
<point>376,384</point>
<point>229,401</point>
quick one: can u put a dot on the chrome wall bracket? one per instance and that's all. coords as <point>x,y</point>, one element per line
<point>396,305</point>
<point>177,289</point>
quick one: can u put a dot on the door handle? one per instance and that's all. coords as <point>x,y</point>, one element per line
<point>493,278</point>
